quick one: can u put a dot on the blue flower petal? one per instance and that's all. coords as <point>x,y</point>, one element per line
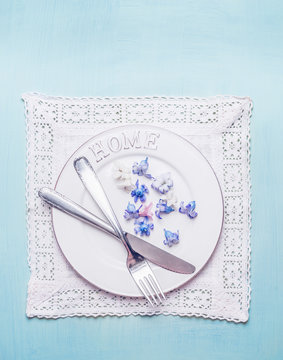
<point>139,192</point>
<point>188,209</point>
<point>171,238</point>
<point>143,226</point>
<point>141,168</point>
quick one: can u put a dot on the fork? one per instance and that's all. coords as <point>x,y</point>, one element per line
<point>136,264</point>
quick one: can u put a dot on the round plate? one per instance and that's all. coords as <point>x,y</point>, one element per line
<point>101,258</point>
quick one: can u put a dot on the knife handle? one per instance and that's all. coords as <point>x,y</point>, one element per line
<point>94,187</point>
<point>60,202</point>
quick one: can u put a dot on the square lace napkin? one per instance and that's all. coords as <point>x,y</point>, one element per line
<point>218,126</point>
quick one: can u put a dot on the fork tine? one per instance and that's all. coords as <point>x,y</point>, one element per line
<point>154,288</point>
<point>149,289</point>
<point>155,283</point>
<point>142,289</point>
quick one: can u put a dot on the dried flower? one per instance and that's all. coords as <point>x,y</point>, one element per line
<point>171,198</point>
<point>162,183</point>
<point>123,175</point>
<point>131,212</point>
<point>188,209</point>
<point>146,211</point>
<point>162,207</point>
<point>141,168</point>
<point>143,226</point>
<point>171,238</point>
<point>139,192</point>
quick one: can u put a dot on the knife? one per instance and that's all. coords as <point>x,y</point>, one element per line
<point>147,250</point>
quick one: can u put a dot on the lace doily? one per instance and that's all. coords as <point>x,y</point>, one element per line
<point>218,126</point>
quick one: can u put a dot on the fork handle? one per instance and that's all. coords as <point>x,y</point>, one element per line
<point>62,203</point>
<point>94,187</point>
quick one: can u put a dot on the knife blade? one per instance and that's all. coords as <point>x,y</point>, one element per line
<point>160,257</point>
<point>152,253</point>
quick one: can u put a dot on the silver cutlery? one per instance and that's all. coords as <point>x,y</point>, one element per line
<point>136,264</point>
<point>147,250</point>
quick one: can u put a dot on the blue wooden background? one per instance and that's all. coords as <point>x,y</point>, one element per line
<point>155,47</point>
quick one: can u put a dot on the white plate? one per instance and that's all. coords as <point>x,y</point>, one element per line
<point>100,258</point>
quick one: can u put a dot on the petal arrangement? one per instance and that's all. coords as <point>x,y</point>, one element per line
<point>132,212</point>
<point>139,192</point>
<point>162,183</point>
<point>141,168</point>
<point>171,198</point>
<point>146,211</point>
<point>143,226</point>
<point>143,215</point>
<point>189,209</point>
<point>162,207</point>
<point>171,238</point>
<point>123,176</point>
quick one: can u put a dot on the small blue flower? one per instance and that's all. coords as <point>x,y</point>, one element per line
<point>141,168</point>
<point>131,212</point>
<point>143,226</point>
<point>139,192</point>
<point>162,207</point>
<point>171,238</point>
<point>188,209</point>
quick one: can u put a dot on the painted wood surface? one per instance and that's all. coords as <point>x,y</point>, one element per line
<point>157,47</point>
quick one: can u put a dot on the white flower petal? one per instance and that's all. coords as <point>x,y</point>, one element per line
<point>116,175</point>
<point>122,174</point>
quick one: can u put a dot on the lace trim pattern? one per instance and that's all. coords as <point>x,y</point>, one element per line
<point>219,126</point>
